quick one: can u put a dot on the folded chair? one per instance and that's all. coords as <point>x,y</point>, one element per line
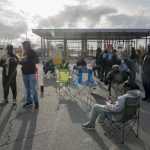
<point>63,80</point>
<point>128,118</point>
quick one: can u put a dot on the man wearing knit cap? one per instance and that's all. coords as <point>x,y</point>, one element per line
<point>9,73</point>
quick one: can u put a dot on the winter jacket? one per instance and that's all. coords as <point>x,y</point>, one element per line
<point>29,62</point>
<point>9,65</point>
<point>130,64</point>
<point>118,78</point>
<point>146,64</point>
<point>119,105</point>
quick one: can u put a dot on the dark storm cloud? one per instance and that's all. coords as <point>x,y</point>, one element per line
<point>126,21</point>
<point>73,15</point>
<point>12,23</point>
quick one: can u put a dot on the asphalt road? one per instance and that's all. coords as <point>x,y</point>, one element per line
<point>56,125</point>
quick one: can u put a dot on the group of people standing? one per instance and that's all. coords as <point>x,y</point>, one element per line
<point>9,63</point>
<point>107,61</point>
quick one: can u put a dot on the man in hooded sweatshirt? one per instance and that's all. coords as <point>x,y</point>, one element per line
<point>131,90</point>
<point>28,68</point>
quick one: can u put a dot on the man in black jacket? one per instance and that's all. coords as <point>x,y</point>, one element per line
<point>102,61</point>
<point>146,74</point>
<point>9,63</point>
<point>29,61</point>
<point>134,56</point>
<point>131,66</point>
<point>81,62</point>
<point>98,66</point>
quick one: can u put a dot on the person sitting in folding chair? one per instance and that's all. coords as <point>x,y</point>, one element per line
<point>64,65</point>
<point>115,80</point>
<point>80,63</point>
<point>131,90</point>
<point>49,66</point>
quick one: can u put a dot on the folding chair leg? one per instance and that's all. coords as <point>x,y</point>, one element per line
<point>58,88</point>
<point>137,132</point>
<point>109,92</point>
<point>89,95</point>
<point>123,135</point>
<point>109,89</point>
<point>131,127</point>
<point>116,127</point>
<point>112,129</point>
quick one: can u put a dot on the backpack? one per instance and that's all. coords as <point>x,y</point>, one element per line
<point>110,60</point>
<point>110,57</point>
<point>104,58</point>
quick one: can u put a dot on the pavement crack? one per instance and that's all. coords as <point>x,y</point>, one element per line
<point>23,138</point>
<point>10,124</point>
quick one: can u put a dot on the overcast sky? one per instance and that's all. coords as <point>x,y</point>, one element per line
<point>19,17</point>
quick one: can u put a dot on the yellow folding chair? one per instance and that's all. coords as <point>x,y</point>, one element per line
<point>63,80</point>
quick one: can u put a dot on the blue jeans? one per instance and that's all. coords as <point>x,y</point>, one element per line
<point>30,86</point>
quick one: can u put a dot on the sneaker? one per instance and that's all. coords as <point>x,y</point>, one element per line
<point>27,105</point>
<point>88,126</point>
<point>14,101</point>
<point>100,122</point>
<point>36,105</point>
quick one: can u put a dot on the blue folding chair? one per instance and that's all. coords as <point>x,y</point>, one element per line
<point>84,81</point>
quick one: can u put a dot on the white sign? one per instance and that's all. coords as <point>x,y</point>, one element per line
<point>120,46</point>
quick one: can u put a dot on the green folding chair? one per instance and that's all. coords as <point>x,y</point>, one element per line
<point>63,81</point>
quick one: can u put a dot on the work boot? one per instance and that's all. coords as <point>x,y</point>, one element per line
<point>36,105</point>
